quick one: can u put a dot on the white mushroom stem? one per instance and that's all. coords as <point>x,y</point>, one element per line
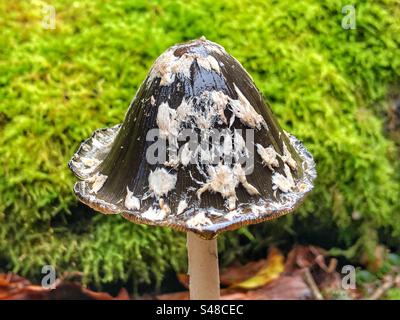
<point>203,268</point>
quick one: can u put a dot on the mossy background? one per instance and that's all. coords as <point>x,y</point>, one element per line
<point>327,85</point>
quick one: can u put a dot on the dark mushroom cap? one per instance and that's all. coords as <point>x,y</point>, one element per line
<point>195,87</point>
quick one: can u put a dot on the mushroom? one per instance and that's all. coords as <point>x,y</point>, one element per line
<point>199,151</point>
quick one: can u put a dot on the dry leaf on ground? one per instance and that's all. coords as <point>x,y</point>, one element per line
<point>13,287</point>
<point>272,269</point>
<point>236,274</point>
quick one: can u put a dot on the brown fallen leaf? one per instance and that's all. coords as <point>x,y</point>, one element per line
<point>304,257</point>
<point>236,274</point>
<point>321,268</point>
<point>10,282</point>
<point>13,287</point>
<point>183,278</point>
<point>184,295</point>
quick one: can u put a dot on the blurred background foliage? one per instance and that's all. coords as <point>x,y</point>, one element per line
<point>329,86</point>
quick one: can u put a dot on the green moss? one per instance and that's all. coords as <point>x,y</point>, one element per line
<point>392,294</point>
<point>326,85</point>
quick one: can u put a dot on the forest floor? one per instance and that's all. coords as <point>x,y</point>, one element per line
<point>307,272</point>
